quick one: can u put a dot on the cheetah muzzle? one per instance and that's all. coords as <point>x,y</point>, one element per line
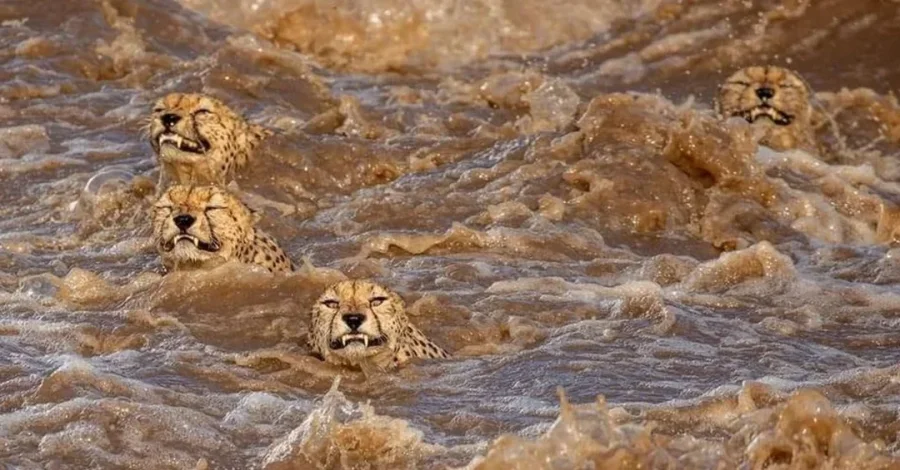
<point>181,143</point>
<point>765,110</point>
<point>360,323</point>
<point>353,339</point>
<point>211,246</point>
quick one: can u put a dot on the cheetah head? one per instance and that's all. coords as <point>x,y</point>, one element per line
<point>773,94</point>
<point>198,130</point>
<point>199,226</point>
<point>357,321</point>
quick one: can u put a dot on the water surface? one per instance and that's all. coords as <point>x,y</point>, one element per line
<point>543,181</point>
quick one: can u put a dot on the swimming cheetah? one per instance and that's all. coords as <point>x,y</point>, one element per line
<point>772,98</point>
<point>199,140</point>
<point>199,227</point>
<point>356,322</point>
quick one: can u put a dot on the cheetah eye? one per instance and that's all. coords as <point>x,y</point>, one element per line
<point>214,208</point>
<point>158,110</point>
<point>163,208</point>
<point>330,303</point>
<point>376,301</point>
<point>202,111</point>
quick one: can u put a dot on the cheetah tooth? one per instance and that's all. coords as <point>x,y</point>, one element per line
<point>366,341</point>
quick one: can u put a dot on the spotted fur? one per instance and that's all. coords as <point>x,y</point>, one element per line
<point>221,228</point>
<point>390,339</point>
<point>200,140</point>
<point>774,99</point>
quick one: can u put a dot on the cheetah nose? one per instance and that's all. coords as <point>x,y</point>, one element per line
<point>169,119</point>
<point>765,93</point>
<point>353,320</point>
<point>183,221</point>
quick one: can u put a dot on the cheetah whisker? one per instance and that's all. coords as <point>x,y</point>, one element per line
<point>359,337</point>
<point>200,245</point>
<point>765,110</point>
<point>182,143</point>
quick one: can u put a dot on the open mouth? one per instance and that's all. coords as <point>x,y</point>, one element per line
<point>357,338</point>
<point>182,143</point>
<point>766,111</point>
<point>199,244</point>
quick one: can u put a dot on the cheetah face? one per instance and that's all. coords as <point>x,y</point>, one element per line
<point>773,94</point>
<point>196,225</point>
<point>356,320</point>
<point>202,132</point>
<point>181,124</point>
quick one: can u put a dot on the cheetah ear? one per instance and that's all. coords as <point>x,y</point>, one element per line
<point>802,79</point>
<point>814,101</point>
<point>400,301</point>
<point>247,203</point>
<point>717,101</point>
<point>258,134</point>
<point>402,355</point>
<point>255,215</point>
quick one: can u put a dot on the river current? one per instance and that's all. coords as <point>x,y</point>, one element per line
<point>625,280</point>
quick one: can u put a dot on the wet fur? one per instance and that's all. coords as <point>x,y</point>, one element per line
<point>388,319</point>
<point>227,140</point>
<point>784,119</point>
<point>221,220</point>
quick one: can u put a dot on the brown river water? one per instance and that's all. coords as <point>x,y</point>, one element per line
<point>624,280</point>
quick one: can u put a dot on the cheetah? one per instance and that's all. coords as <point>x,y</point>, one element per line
<point>775,100</point>
<point>357,323</point>
<point>200,227</point>
<point>200,140</point>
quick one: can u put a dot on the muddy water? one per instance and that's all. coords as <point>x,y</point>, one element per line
<point>624,280</point>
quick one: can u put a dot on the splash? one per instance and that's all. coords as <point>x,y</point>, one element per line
<point>386,35</point>
<point>802,431</point>
<point>545,183</point>
<point>340,434</point>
